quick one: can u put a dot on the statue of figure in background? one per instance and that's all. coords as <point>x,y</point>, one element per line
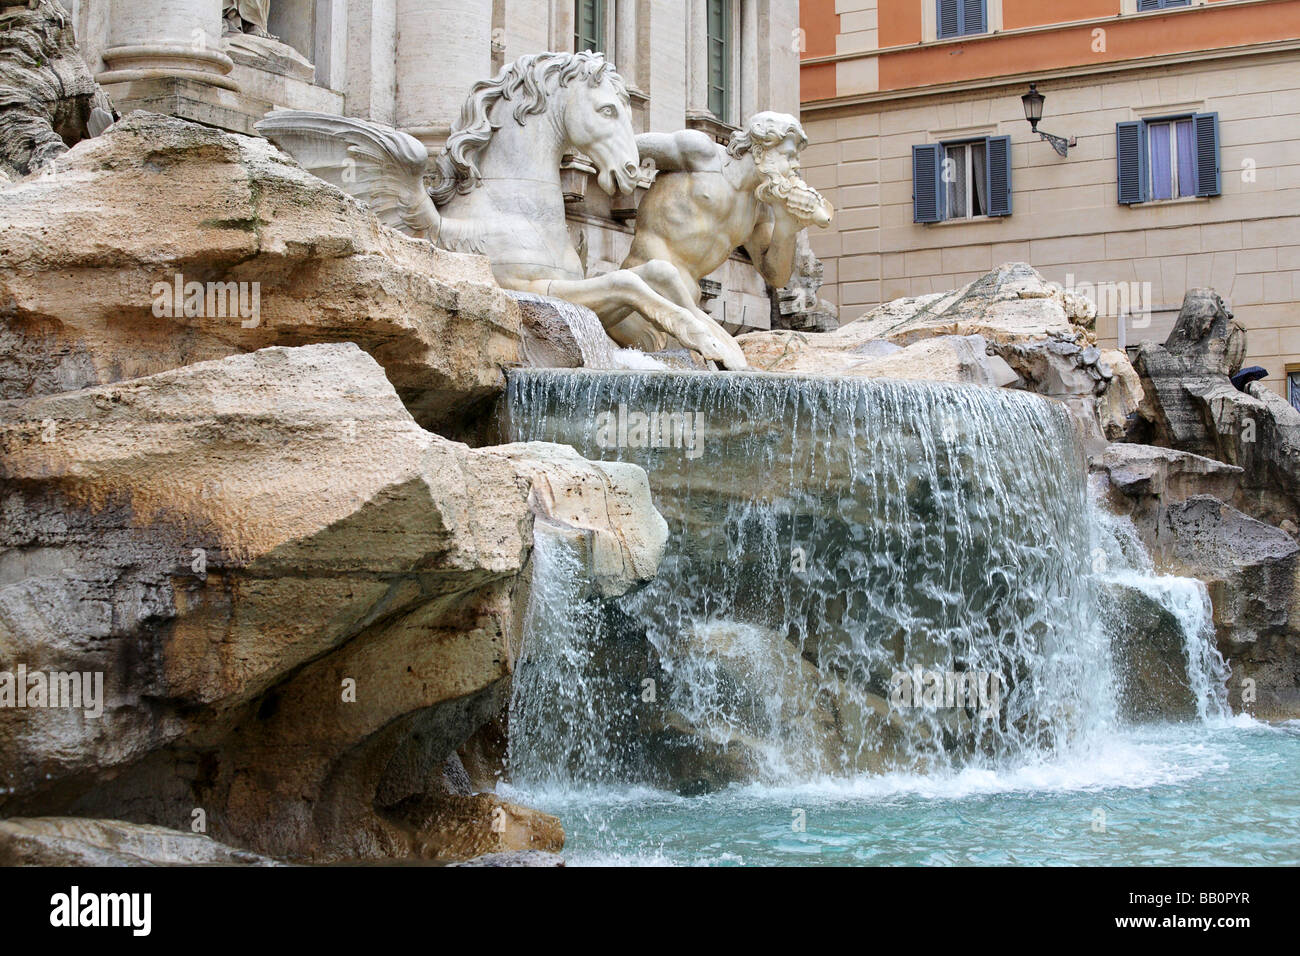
<point>496,188</point>
<point>709,200</point>
<point>247,16</point>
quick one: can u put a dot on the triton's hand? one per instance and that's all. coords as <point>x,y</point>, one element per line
<point>808,205</point>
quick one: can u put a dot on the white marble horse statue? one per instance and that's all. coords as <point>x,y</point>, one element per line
<point>496,187</point>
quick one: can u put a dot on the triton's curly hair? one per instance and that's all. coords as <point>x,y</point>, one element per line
<point>530,80</point>
<point>765,129</point>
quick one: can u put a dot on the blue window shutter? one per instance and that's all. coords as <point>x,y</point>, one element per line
<point>997,154</point>
<point>949,18</point>
<point>1145,5</point>
<point>1208,178</point>
<point>926,187</point>
<point>1130,156</point>
<point>973,16</point>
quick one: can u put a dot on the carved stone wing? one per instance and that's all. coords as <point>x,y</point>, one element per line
<point>382,167</point>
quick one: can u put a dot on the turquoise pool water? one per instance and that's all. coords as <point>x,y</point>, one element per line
<point>1222,793</point>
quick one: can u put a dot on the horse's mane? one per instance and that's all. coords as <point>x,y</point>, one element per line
<point>530,80</point>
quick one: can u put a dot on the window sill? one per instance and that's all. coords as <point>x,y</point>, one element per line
<point>963,221</point>
<point>1180,201</point>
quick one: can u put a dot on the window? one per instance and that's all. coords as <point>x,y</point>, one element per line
<point>589,26</point>
<point>962,180</point>
<point>1145,5</point>
<point>1170,155</point>
<point>966,177</point>
<point>719,44</point>
<point>1168,158</point>
<point>959,18</point>
<point>1293,387</point>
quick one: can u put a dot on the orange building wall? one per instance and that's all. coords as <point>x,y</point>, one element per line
<point>821,25</point>
<point>899,22</point>
<point>817,82</point>
<point>1032,13</point>
<point>1178,31</point>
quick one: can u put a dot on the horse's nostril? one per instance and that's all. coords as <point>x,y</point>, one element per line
<point>630,168</point>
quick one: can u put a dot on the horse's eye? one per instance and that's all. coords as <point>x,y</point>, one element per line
<point>609,111</point>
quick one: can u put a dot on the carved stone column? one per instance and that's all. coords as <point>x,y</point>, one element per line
<point>443,48</point>
<point>625,58</point>
<point>697,64</point>
<point>628,59</point>
<point>158,39</point>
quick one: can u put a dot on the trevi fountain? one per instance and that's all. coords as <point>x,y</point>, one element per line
<point>344,509</point>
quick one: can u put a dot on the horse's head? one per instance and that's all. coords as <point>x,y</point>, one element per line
<point>580,94</point>
<point>598,124</point>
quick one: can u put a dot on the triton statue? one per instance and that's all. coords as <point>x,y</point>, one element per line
<point>708,200</point>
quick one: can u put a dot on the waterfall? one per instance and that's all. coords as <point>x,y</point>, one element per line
<point>598,351</point>
<point>594,345</point>
<point>556,689</point>
<point>1121,560</point>
<point>862,575</point>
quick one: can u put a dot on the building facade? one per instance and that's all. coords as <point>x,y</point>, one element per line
<point>706,64</point>
<point>1185,168</point>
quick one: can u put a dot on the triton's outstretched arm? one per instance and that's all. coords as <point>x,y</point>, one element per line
<point>687,150</point>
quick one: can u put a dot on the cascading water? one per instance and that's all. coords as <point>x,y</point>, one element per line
<point>827,537</point>
<point>1121,561</point>
<point>597,349</point>
<point>862,575</point>
<point>595,346</point>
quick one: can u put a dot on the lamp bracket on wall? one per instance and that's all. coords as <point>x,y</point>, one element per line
<point>1059,143</point>
<point>1033,102</point>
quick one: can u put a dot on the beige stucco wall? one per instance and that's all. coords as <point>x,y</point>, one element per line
<point>1066,220</point>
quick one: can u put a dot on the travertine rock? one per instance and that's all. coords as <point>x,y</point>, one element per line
<point>1118,404</point>
<point>1021,330</point>
<point>1144,481</point>
<point>1190,371</point>
<point>622,535</point>
<point>1012,304</point>
<point>948,358</point>
<point>461,828</point>
<point>1146,642</point>
<point>1177,502</point>
<point>1191,404</point>
<point>797,305</point>
<point>77,841</point>
<point>300,599</point>
<point>89,256</point>
<point>1251,570</point>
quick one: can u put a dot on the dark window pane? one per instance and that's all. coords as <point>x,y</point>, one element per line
<point>719,62</point>
<point>1186,147</point>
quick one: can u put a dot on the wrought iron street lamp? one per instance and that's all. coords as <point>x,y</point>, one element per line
<point>1033,101</point>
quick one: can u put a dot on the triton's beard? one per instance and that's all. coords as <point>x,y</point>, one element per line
<point>775,186</point>
<point>796,196</point>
